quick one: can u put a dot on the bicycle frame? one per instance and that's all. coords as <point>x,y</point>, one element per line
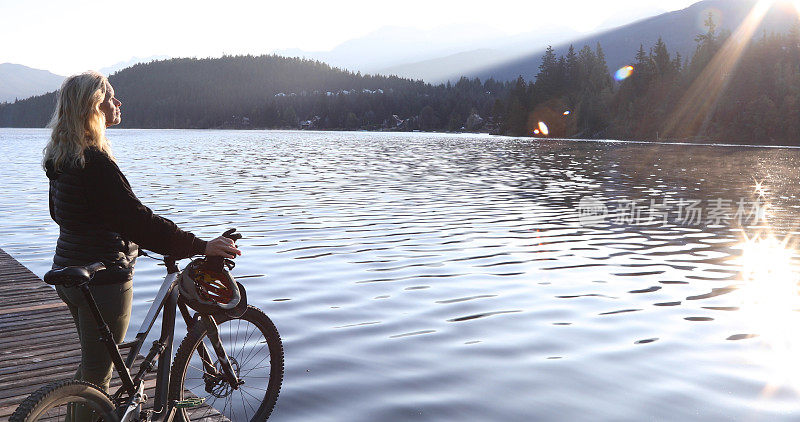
<point>167,300</point>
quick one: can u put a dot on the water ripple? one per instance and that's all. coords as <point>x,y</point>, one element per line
<point>394,265</point>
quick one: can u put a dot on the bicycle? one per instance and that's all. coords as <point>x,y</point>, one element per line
<point>223,372</point>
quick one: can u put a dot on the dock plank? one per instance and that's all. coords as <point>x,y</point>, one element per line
<point>40,343</point>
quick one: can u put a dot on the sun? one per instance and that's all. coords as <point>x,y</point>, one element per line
<point>769,305</point>
<point>791,3</point>
<point>760,189</point>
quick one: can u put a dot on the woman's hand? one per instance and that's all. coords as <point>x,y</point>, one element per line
<point>222,246</point>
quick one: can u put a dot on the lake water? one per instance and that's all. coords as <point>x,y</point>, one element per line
<point>445,277</point>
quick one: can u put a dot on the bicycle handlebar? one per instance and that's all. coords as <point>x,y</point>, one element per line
<point>218,262</point>
<point>231,234</point>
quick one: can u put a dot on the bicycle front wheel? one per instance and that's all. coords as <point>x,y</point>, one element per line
<point>54,403</point>
<point>255,352</point>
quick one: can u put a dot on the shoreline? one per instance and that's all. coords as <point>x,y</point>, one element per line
<point>533,138</point>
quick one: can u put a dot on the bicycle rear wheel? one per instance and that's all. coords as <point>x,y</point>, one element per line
<point>255,351</point>
<point>52,403</point>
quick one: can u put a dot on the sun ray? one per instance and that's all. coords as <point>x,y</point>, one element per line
<point>697,104</point>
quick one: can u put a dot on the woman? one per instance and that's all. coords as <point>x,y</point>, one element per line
<point>100,219</point>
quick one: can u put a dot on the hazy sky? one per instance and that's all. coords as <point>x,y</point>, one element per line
<point>66,37</point>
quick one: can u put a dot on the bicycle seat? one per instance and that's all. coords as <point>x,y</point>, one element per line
<point>76,274</point>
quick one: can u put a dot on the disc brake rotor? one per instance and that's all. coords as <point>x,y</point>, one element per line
<point>216,384</point>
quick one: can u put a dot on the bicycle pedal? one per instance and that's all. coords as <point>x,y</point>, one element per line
<point>189,403</point>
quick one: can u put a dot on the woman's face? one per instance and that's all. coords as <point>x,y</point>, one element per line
<point>110,108</point>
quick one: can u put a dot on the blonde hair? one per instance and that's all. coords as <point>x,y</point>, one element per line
<point>77,121</point>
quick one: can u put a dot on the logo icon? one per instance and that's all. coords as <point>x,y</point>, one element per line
<point>591,211</point>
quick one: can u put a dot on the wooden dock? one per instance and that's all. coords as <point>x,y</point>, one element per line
<point>39,342</point>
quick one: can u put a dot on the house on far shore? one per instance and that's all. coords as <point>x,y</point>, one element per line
<point>310,124</point>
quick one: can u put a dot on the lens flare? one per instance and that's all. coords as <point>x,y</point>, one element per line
<point>543,129</point>
<point>566,113</point>
<point>623,73</point>
<point>536,131</point>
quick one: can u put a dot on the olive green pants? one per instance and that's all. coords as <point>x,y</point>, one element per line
<point>114,302</point>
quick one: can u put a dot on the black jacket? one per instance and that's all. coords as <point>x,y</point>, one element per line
<point>102,220</point>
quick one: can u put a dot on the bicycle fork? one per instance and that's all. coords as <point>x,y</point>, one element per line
<point>228,373</point>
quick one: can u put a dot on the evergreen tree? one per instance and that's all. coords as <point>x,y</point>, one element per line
<point>707,46</point>
<point>571,71</point>
<point>661,60</point>
<point>516,119</point>
<point>547,80</point>
<point>601,71</point>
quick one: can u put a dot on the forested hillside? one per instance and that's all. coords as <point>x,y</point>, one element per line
<point>277,92</point>
<point>719,94</point>
<point>712,96</point>
<point>677,29</point>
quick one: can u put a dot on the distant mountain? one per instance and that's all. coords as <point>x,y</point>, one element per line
<point>390,50</point>
<point>18,82</point>
<point>624,16</point>
<point>479,56</point>
<point>441,69</point>
<point>108,70</point>
<point>447,53</point>
<point>678,30</point>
